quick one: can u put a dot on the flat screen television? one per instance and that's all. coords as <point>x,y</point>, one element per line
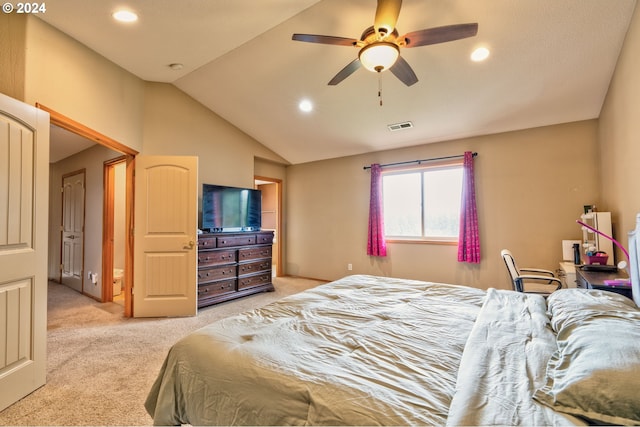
<point>230,209</point>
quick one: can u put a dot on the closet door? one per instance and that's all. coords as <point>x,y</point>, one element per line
<point>73,198</point>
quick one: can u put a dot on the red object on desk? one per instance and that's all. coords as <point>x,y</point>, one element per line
<point>599,258</point>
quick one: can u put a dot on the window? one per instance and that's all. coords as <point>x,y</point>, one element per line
<point>422,203</point>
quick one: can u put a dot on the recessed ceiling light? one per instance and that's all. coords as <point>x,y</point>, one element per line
<point>305,106</point>
<point>480,54</point>
<point>124,15</point>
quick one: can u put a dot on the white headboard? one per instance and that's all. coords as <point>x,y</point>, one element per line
<point>634,261</point>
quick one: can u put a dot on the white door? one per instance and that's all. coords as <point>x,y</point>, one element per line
<point>73,196</point>
<point>166,221</point>
<point>24,198</point>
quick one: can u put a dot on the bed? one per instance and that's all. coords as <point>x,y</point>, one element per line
<point>367,350</point>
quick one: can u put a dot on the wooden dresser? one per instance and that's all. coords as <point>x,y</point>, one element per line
<point>233,265</point>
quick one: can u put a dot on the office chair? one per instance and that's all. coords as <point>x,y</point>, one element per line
<point>534,280</point>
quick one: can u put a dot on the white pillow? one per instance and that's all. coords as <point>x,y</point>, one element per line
<point>595,372</point>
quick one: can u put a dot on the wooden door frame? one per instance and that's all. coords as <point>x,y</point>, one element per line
<point>82,171</point>
<point>108,218</point>
<point>71,125</point>
<point>278,235</point>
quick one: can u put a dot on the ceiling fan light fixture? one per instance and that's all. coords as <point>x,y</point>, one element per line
<point>379,56</point>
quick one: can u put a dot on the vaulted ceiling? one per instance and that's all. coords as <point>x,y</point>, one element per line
<point>550,62</point>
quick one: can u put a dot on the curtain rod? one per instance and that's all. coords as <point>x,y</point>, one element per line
<point>420,161</point>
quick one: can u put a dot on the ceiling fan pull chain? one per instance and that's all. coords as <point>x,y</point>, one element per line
<point>380,87</point>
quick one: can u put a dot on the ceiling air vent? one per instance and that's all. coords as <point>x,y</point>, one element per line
<point>400,126</point>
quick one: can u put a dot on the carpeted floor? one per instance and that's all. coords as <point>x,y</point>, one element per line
<point>100,365</point>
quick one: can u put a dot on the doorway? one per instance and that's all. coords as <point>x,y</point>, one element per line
<point>114,230</point>
<point>72,126</point>
<point>271,189</point>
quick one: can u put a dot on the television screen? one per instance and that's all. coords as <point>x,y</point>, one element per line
<point>230,208</point>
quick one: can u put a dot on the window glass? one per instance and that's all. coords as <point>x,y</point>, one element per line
<point>442,193</point>
<point>402,204</point>
<point>422,203</point>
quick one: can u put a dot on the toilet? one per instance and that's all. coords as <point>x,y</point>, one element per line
<point>118,274</point>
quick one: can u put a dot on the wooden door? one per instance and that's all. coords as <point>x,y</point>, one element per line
<point>72,254</point>
<point>24,198</point>
<point>165,249</point>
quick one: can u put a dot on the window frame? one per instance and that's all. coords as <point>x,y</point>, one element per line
<point>422,167</point>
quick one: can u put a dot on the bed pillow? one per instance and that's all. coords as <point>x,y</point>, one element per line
<point>595,371</point>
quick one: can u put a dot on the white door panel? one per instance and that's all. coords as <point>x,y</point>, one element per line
<point>24,170</point>
<point>73,197</point>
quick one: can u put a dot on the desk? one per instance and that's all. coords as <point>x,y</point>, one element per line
<point>588,279</point>
<point>567,274</point>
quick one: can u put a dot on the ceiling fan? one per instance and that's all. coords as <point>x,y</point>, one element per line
<point>380,44</point>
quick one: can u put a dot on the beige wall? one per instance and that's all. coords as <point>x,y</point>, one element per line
<point>66,76</point>
<point>619,136</point>
<point>13,29</point>
<point>175,124</point>
<point>119,217</point>
<point>531,186</point>
<point>270,169</point>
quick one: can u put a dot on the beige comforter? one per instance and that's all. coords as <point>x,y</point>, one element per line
<point>359,351</point>
<point>369,350</point>
<point>504,363</point>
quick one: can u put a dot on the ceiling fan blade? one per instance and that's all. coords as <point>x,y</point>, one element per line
<point>403,71</point>
<point>345,72</point>
<point>440,34</point>
<point>314,38</point>
<point>387,14</point>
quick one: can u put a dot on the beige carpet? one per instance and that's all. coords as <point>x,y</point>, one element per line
<point>100,365</point>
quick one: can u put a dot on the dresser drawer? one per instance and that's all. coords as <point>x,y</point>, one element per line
<point>254,253</point>
<point>264,239</point>
<point>217,288</point>
<point>206,242</point>
<point>225,242</point>
<point>254,267</point>
<point>255,280</point>
<point>208,258</point>
<point>216,273</point>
